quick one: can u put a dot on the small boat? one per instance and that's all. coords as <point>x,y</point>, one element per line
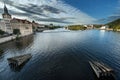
<point>19,60</point>
<point>101,70</point>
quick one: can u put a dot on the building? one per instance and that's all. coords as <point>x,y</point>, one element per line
<point>6,14</point>
<point>8,24</point>
<point>37,26</point>
<point>2,25</point>
<point>5,24</point>
<point>104,27</point>
<point>24,26</point>
<point>34,25</point>
<point>90,26</point>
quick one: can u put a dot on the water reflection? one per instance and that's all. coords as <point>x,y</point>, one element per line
<point>106,78</point>
<point>24,42</point>
<point>1,51</point>
<point>21,44</point>
<point>102,33</point>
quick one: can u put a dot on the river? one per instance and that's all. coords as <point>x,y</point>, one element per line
<point>62,55</point>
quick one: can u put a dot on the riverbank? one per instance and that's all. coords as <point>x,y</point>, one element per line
<point>110,29</point>
<point>10,38</point>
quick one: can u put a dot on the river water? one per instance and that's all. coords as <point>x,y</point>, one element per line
<point>62,55</point>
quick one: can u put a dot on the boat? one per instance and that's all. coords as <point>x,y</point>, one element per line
<point>102,71</point>
<point>19,60</point>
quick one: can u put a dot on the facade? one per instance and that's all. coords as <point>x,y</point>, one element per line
<point>104,27</point>
<point>90,26</point>
<point>2,25</point>
<point>24,26</point>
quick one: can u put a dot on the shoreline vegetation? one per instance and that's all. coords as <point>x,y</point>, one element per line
<point>115,25</point>
<point>111,26</point>
<point>77,27</point>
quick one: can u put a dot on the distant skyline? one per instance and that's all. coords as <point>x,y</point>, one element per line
<point>64,11</point>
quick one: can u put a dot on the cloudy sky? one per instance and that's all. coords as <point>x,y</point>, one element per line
<point>64,11</point>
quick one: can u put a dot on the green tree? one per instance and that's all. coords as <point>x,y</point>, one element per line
<point>2,32</point>
<point>76,27</point>
<point>16,31</point>
<point>114,24</point>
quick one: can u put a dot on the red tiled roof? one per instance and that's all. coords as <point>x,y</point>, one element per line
<point>21,20</point>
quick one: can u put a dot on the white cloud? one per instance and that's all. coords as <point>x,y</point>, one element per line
<point>112,17</point>
<point>65,11</point>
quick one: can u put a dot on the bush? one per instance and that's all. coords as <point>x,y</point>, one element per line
<point>2,32</point>
<point>16,31</point>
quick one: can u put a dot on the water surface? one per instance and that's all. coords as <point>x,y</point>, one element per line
<point>62,55</point>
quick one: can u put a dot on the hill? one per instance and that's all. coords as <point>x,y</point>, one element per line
<point>115,25</point>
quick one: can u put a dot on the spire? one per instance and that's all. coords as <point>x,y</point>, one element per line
<point>6,14</point>
<point>5,9</point>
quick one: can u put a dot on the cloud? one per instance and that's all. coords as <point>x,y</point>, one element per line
<point>114,16</point>
<point>54,11</point>
<point>57,20</point>
<point>51,9</point>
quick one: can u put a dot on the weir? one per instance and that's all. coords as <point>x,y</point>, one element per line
<point>19,60</point>
<point>101,70</point>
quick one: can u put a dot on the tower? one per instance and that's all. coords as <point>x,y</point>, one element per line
<point>6,19</point>
<point>6,14</point>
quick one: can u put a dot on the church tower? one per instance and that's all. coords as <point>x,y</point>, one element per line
<point>6,19</point>
<point>6,14</point>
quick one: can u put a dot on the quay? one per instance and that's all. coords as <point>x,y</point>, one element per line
<point>19,60</point>
<point>101,70</point>
<point>9,38</point>
<point>6,39</point>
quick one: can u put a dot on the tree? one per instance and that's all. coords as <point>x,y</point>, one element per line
<point>115,25</point>
<point>2,32</point>
<point>76,27</point>
<point>51,25</point>
<point>16,31</point>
